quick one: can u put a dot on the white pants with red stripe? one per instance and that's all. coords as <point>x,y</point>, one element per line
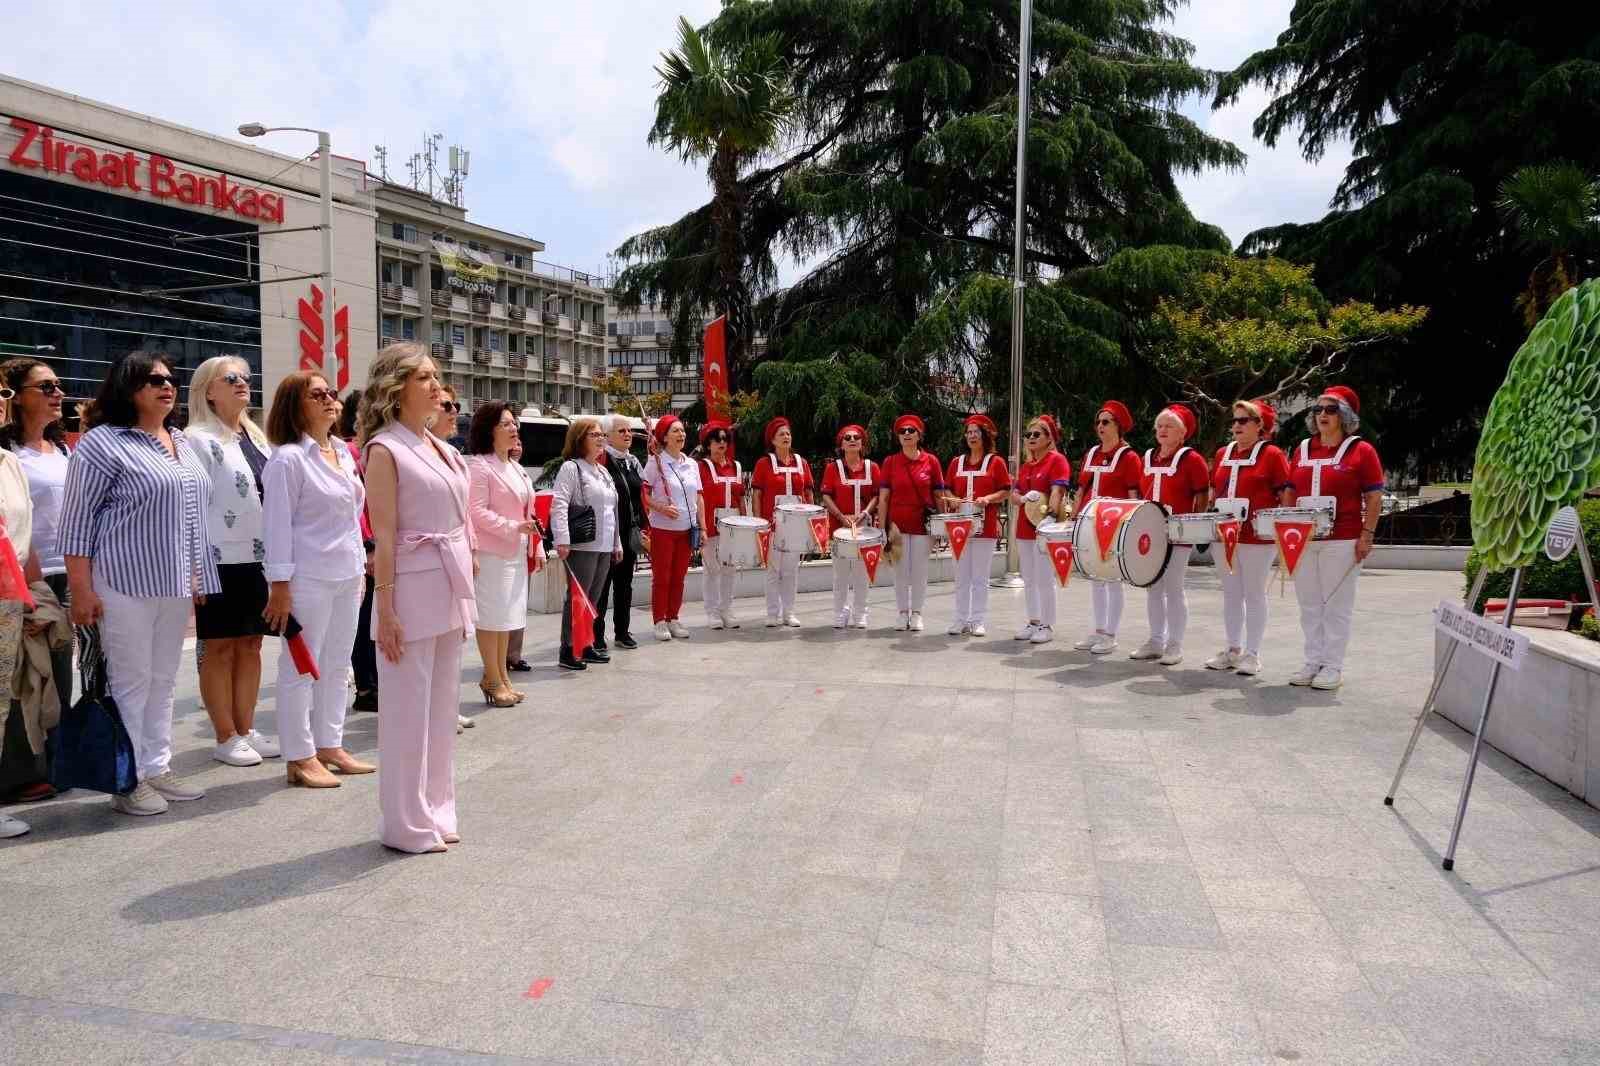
<point>1244,594</point>
<point>1326,606</point>
<point>972,581</point>
<point>1165,604</point>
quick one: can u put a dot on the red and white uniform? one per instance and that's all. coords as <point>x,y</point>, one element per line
<point>777,482</point>
<point>1114,474</point>
<point>968,481</point>
<point>850,490</point>
<point>1049,471</point>
<point>1346,473</point>
<point>1175,481</point>
<point>1041,475</point>
<point>1323,581</point>
<point>912,484</point>
<point>722,487</point>
<point>1257,477</point>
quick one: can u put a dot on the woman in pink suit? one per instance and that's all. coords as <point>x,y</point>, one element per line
<point>417,501</point>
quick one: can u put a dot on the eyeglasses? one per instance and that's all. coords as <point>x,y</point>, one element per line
<point>1240,420</point>
<point>321,395</point>
<point>1326,409</point>
<point>854,438</point>
<point>595,433</point>
<point>449,405</point>
<point>46,388</point>
<point>1034,434</point>
<point>234,377</point>
<point>1105,422</point>
<point>159,381</point>
<point>720,437</point>
<point>908,431</point>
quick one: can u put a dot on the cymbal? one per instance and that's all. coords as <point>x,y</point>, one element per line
<point>1037,510</point>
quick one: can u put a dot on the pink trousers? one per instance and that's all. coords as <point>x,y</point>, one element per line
<point>419,698</point>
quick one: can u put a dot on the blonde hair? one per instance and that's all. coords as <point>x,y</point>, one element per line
<point>573,447</point>
<point>391,369</point>
<point>202,415</point>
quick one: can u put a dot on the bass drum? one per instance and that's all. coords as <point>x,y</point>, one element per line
<point>1139,549</point>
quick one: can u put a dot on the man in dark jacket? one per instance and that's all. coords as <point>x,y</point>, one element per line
<point>628,476</point>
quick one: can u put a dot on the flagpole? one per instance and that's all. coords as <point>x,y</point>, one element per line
<point>1013,577</point>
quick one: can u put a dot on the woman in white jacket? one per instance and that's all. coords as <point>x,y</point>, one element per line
<point>234,452</point>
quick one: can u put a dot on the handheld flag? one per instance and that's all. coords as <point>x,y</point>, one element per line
<point>764,545</point>
<point>1292,538</point>
<point>1060,559</point>
<point>1228,533</point>
<point>960,532</point>
<point>13,585</point>
<point>871,554</point>
<point>304,661</point>
<point>819,532</point>
<point>583,617</point>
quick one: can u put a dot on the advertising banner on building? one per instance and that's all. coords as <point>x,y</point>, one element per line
<point>466,270</point>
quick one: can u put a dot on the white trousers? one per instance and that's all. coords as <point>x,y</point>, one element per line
<point>911,572</point>
<point>311,713</point>
<point>783,581</point>
<point>717,581</point>
<point>1038,582</point>
<point>1106,597</point>
<point>1325,614</point>
<point>142,639</point>
<point>1244,594</point>
<point>850,586</point>
<point>1165,604</point>
<point>972,581</point>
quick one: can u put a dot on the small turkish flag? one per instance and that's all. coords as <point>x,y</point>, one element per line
<point>1292,538</point>
<point>300,655</point>
<point>1107,520</point>
<point>583,617</point>
<point>870,554</point>
<point>1228,533</point>
<point>819,532</point>
<point>764,545</point>
<point>13,585</point>
<point>1060,559</point>
<point>959,533</point>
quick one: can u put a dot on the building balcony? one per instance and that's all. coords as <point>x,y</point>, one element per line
<point>440,298</point>
<point>408,295</point>
<point>624,340</point>
<point>516,312</point>
<point>390,291</point>
<point>550,318</point>
<point>552,366</point>
<point>480,305</point>
<point>481,356</point>
<point>517,360</point>
<point>664,338</point>
<point>439,350</point>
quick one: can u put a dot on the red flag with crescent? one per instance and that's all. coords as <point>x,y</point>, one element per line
<point>870,555</point>
<point>960,533</point>
<point>1228,533</point>
<point>1292,538</point>
<point>764,545</point>
<point>1060,559</point>
<point>1108,518</point>
<point>715,370</point>
<point>819,532</point>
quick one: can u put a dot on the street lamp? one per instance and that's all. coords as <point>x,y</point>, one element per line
<point>1019,285</point>
<point>325,157</point>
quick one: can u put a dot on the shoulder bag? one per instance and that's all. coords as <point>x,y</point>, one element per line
<point>580,516</point>
<point>694,518</point>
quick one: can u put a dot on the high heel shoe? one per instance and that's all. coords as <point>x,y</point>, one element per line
<point>492,697</point>
<point>342,762</point>
<point>310,773</point>
<point>507,692</point>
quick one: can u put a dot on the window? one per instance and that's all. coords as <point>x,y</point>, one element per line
<point>438,333</point>
<point>390,327</point>
<point>495,341</point>
<point>408,329</point>
<point>513,344</point>
<point>389,269</point>
<point>408,275</point>
<point>458,335</point>
<point>512,296</point>
<point>478,336</point>
<point>400,231</point>
<point>611,329</point>
<point>516,392</point>
<point>435,278</point>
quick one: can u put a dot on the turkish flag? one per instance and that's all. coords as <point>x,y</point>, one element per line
<point>1292,538</point>
<point>819,532</point>
<point>764,545</point>
<point>1107,520</point>
<point>1061,559</point>
<point>300,654</point>
<point>1228,532</point>
<point>870,554</point>
<point>959,533</point>
<point>715,370</point>
<point>583,617</point>
<point>13,585</point>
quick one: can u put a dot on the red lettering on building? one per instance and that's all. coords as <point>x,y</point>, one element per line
<point>311,346</point>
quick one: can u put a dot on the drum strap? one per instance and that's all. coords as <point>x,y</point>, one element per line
<point>1233,464</point>
<point>789,472</point>
<point>970,476</point>
<point>1316,465</point>
<point>1095,471</point>
<point>1158,472</point>
<point>857,483</point>
<point>727,483</point>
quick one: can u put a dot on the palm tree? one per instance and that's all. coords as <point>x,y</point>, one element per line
<point>1555,210</point>
<point>726,107</point>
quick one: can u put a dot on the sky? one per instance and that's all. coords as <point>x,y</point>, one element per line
<point>554,100</point>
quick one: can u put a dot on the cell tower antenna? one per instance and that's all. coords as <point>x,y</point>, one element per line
<point>381,154</point>
<point>414,165</point>
<point>455,185</point>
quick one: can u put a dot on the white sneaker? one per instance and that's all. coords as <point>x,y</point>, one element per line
<point>662,632</point>
<point>463,722</point>
<point>1105,645</point>
<point>143,801</point>
<point>715,621</point>
<point>1327,679</point>
<point>1148,650</point>
<point>1027,631</point>
<point>859,623</point>
<point>1249,664</point>
<point>12,827</point>
<point>791,621</point>
<point>1042,635</point>
<point>1226,659</point>
<point>678,629</point>
<point>236,751</point>
<point>902,622</point>
<point>265,746</point>
<point>729,621</point>
<point>841,619</point>
<point>1087,642</point>
<point>171,788</point>
<point>773,621</point>
<point>957,628</point>
<point>1305,675</point>
<point>916,622</point>
<point>978,629</point>
<point>1174,655</point>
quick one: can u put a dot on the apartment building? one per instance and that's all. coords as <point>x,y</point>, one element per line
<point>501,323</point>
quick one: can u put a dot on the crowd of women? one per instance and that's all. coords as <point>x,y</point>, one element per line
<point>357,529</point>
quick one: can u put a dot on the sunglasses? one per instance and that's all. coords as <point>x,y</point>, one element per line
<point>234,377</point>
<point>449,405</point>
<point>159,381</point>
<point>855,438</point>
<point>1326,409</point>
<point>1240,420</point>
<point>1104,422</point>
<point>1034,434</point>
<point>46,388</point>
<point>716,438</point>
<point>322,395</point>
<point>908,431</point>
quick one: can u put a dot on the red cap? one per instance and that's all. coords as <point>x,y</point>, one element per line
<point>838,438</point>
<point>1184,415</point>
<point>664,423</point>
<point>1051,426</point>
<point>910,420</point>
<point>1264,411</point>
<point>712,426</point>
<point>983,422</point>
<point>1344,394</point>
<point>772,428</point>
<point>1119,411</point>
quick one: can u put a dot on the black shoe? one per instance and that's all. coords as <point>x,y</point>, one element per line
<point>599,645</point>
<point>625,641</point>
<point>520,666</point>
<point>595,655</point>
<point>366,700</point>
<point>567,662</point>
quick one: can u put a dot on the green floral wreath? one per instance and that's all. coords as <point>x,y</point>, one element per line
<point>1540,447</point>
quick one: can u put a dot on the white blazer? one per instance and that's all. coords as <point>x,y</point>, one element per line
<point>233,516</point>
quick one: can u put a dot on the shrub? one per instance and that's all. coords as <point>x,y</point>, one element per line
<point>1544,579</point>
<point>1590,625</point>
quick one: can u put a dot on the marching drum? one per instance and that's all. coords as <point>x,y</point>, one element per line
<point>1266,520</point>
<point>847,542</point>
<point>1055,531</point>
<point>939,525</point>
<point>1140,547</point>
<point>1197,527</point>
<point>793,527</point>
<point>736,540</point>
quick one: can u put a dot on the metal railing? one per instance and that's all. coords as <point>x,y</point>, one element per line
<point>481,356</point>
<point>439,350</point>
<point>516,312</point>
<point>390,291</point>
<point>439,298</point>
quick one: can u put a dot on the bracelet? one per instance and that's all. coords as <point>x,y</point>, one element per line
<point>1369,532</point>
<point>384,587</point>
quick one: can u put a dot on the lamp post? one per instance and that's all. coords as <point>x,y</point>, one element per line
<point>1019,248</point>
<point>325,159</point>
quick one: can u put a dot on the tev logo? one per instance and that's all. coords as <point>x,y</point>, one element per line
<point>311,343</point>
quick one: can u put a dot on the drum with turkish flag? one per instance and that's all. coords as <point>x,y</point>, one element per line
<point>1292,538</point>
<point>764,545</point>
<point>819,531</point>
<point>1228,533</point>
<point>871,555</point>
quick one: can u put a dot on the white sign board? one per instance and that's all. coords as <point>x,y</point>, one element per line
<point>1496,641</point>
<point>1562,535</point>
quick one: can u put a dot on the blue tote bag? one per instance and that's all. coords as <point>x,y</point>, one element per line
<point>91,749</point>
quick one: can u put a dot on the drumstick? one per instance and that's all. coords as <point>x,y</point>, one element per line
<point>1329,598</point>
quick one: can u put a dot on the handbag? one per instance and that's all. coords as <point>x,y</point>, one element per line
<point>580,516</point>
<point>90,748</point>
<point>695,535</point>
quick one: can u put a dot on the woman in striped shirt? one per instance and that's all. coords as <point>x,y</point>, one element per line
<point>133,537</point>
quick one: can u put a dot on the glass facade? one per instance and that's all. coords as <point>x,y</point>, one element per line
<point>77,267</point>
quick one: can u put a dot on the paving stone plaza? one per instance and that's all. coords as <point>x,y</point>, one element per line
<point>824,847</point>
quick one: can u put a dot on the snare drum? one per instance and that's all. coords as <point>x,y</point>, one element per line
<point>1140,547</point>
<point>1266,520</point>
<point>847,542</point>
<point>1056,531</point>
<point>1197,527</point>
<point>939,525</point>
<point>736,540</point>
<point>792,527</point>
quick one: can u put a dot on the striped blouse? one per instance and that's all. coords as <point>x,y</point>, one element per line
<point>139,514</point>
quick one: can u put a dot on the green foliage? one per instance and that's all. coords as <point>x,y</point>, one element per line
<point>1552,209</point>
<point>1542,579</point>
<point>1589,625</point>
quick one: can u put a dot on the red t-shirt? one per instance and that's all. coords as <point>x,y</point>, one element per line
<point>911,484</point>
<point>989,475</point>
<point>852,493</point>
<point>1259,482</point>
<point>720,486</point>
<point>1179,488</point>
<point>1041,476</point>
<point>1359,472</point>
<point>1117,482</point>
<point>774,481</point>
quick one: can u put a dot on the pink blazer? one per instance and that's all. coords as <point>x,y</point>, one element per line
<point>433,536</point>
<point>495,507</point>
